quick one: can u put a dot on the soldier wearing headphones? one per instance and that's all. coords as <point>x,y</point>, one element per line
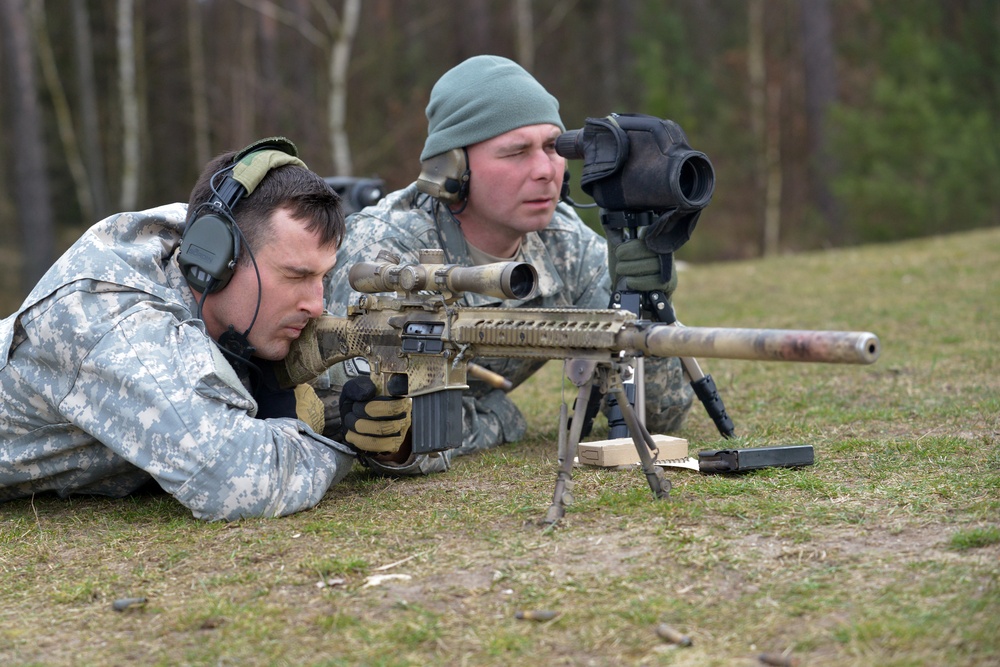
<point>489,190</point>
<point>144,354</point>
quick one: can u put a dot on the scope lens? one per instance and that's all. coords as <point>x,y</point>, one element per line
<point>522,281</point>
<point>697,180</point>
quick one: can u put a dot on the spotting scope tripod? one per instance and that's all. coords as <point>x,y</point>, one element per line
<point>649,184</point>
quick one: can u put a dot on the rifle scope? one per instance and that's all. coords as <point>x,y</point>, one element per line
<point>502,280</point>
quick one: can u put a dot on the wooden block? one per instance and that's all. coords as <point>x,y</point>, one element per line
<point>621,451</point>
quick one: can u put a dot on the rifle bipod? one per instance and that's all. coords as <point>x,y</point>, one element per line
<point>588,375</point>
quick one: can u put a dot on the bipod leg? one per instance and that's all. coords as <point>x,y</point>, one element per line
<point>563,494</point>
<point>644,445</point>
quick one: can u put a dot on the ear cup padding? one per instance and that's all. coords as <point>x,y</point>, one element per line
<point>208,252</point>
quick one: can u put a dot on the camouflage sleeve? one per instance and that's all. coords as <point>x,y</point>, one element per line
<point>154,391</point>
<point>591,285</point>
<point>490,421</point>
<point>668,395</point>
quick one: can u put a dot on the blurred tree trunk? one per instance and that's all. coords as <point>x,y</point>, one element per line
<point>340,60</point>
<point>244,83</point>
<point>821,92</point>
<point>199,85</point>
<point>86,88</point>
<point>525,34</point>
<point>269,94</point>
<point>300,84</point>
<point>765,123</point>
<point>757,85</point>
<point>616,21</point>
<point>772,155</point>
<point>60,106</point>
<point>475,31</point>
<point>31,179</point>
<point>125,21</point>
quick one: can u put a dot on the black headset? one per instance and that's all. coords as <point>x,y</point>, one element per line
<point>210,245</point>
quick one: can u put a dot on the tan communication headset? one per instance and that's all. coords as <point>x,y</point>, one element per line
<point>446,176</point>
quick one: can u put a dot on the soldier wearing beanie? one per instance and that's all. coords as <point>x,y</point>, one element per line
<point>482,98</point>
<point>489,190</point>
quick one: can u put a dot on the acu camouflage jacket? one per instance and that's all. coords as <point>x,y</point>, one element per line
<point>108,381</point>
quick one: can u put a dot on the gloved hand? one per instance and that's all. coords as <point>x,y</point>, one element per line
<point>377,424</point>
<point>308,407</point>
<point>639,266</point>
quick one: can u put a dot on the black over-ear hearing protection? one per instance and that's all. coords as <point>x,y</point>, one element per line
<point>446,176</point>
<point>210,246</point>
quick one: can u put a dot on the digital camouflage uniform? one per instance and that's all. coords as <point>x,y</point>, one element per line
<point>572,265</point>
<point>108,382</point>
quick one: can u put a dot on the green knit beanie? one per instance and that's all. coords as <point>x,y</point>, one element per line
<point>482,98</point>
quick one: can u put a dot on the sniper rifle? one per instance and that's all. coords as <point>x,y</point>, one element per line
<point>407,322</point>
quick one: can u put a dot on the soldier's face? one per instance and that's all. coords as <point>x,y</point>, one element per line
<point>291,265</point>
<point>516,179</point>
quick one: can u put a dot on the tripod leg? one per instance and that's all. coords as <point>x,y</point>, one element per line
<point>635,395</point>
<point>706,391</point>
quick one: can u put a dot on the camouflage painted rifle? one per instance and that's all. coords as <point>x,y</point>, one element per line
<point>407,322</point>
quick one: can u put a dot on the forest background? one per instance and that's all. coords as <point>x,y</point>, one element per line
<point>828,122</point>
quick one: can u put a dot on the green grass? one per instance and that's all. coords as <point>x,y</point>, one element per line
<point>975,538</point>
<point>885,551</point>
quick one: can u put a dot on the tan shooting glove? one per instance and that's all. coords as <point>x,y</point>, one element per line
<point>308,407</point>
<point>377,424</point>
